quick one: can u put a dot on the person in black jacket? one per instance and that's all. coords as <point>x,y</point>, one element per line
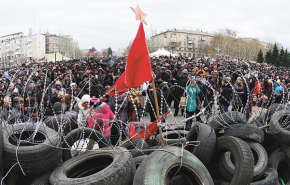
<point>226,94</point>
<point>181,81</point>
<point>162,77</point>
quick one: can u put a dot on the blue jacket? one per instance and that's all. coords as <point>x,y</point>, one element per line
<point>191,98</point>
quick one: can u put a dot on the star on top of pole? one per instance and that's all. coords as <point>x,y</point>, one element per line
<point>139,14</point>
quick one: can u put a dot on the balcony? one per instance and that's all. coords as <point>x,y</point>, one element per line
<point>189,41</point>
<point>190,47</point>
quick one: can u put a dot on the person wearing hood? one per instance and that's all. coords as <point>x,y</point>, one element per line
<point>101,75</point>
<point>251,104</point>
<point>101,119</point>
<point>226,95</point>
<point>84,107</point>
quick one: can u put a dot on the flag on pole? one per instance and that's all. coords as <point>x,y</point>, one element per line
<point>138,67</point>
<point>92,50</point>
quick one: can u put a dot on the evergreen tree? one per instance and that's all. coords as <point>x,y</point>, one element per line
<point>260,57</point>
<point>109,52</point>
<point>286,59</point>
<point>281,55</point>
<point>268,57</point>
<point>275,55</point>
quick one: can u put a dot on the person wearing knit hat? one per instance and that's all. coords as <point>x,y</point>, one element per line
<point>57,108</point>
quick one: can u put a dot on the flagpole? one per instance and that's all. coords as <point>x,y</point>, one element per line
<point>157,112</point>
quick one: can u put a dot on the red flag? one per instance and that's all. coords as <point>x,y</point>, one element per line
<point>132,131</point>
<point>104,53</point>
<point>138,67</point>
<point>119,84</point>
<point>149,131</point>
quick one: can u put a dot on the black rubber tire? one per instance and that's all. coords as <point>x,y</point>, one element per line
<point>136,146</point>
<point>276,130</point>
<point>150,142</point>
<point>243,158</point>
<point>226,119</point>
<point>286,150</point>
<point>246,132</point>
<point>255,122</point>
<point>18,179</point>
<point>34,159</point>
<point>104,166</point>
<point>42,179</point>
<point>269,177</point>
<point>179,179</point>
<point>172,137</point>
<point>161,166</point>
<point>207,141</point>
<point>138,160</point>
<point>81,133</point>
<point>275,107</point>
<point>279,162</point>
<point>260,158</point>
<point>115,133</point>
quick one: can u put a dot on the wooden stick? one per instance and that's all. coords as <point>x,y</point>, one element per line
<point>127,140</point>
<point>157,112</point>
<point>265,126</point>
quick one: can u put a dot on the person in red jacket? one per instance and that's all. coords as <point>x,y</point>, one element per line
<point>259,88</point>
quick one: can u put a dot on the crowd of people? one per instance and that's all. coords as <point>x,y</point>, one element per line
<point>75,92</point>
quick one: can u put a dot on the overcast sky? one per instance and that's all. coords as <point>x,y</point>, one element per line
<point>104,23</point>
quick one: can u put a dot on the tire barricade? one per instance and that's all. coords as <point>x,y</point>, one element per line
<point>243,153</point>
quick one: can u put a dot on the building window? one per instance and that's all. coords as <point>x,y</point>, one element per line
<point>189,54</point>
<point>184,54</point>
<point>179,54</point>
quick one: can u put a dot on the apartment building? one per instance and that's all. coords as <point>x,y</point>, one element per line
<point>64,44</point>
<point>17,47</point>
<point>184,43</point>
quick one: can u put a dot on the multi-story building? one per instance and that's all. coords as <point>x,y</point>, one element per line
<point>64,44</point>
<point>17,47</point>
<point>182,42</point>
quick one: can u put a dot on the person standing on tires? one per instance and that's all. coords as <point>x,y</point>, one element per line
<point>192,90</point>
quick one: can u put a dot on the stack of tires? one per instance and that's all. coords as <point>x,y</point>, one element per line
<point>30,153</point>
<point>226,151</point>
